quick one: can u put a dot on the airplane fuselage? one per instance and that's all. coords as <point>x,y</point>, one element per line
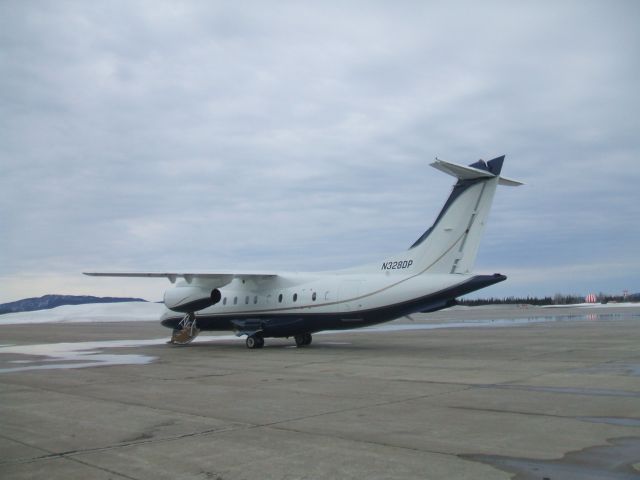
<point>294,304</point>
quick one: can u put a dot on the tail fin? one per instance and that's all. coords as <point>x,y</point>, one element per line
<point>451,244</point>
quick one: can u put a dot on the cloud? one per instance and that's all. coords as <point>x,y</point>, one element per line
<point>154,135</point>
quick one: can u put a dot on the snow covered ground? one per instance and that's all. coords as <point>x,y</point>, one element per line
<point>92,312</point>
<point>595,305</point>
<point>151,312</point>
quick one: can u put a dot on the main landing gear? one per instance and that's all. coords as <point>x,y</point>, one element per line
<point>186,330</point>
<point>255,341</point>
<point>303,340</point>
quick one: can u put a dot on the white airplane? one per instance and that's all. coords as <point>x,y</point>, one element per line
<point>427,277</point>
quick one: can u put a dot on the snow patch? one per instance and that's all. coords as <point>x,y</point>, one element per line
<point>91,312</point>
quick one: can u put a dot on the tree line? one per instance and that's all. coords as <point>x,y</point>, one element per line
<point>557,299</point>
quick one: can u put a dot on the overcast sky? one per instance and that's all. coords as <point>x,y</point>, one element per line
<point>297,136</point>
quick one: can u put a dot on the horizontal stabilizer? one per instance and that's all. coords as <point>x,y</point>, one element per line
<point>509,183</point>
<point>487,170</point>
<point>460,171</point>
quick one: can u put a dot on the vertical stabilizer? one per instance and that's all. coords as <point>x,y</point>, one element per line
<point>451,244</point>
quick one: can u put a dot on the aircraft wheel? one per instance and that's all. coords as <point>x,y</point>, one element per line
<point>303,340</point>
<point>254,341</point>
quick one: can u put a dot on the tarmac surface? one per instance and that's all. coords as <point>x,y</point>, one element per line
<point>492,393</point>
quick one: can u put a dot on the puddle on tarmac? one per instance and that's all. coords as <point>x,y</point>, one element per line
<point>614,461</point>
<point>52,356</point>
<point>613,368</point>
<point>597,392</point>
<point>620,421</point>
<point>497,322</point>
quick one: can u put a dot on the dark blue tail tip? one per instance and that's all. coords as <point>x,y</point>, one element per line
<point>492,166</point>
<point>495,165</point>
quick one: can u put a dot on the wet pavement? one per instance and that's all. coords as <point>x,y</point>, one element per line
<point>473,393</point>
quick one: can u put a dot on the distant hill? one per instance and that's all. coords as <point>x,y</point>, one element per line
<point>52,301</point>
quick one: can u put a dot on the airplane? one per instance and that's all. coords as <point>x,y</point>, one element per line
<point>427,277</point>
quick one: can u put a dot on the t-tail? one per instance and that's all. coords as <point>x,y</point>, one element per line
<point>450,245</point>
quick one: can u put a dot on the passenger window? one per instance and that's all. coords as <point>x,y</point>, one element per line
<point>326,295</point>
<point>295,297</point>
<point>255,299</point>
<point>246,300</point>
<point>235,300</point>
<point>224,301</point>
<point>313,297</point>
<point>280,298</point>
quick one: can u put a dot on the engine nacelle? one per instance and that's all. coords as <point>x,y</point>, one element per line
<point>187,298</point>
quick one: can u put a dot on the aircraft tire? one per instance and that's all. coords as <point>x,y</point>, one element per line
<point>254,341</point>
<point>303,340</point>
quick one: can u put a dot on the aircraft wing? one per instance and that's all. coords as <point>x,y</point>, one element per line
<point>216,278</point>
